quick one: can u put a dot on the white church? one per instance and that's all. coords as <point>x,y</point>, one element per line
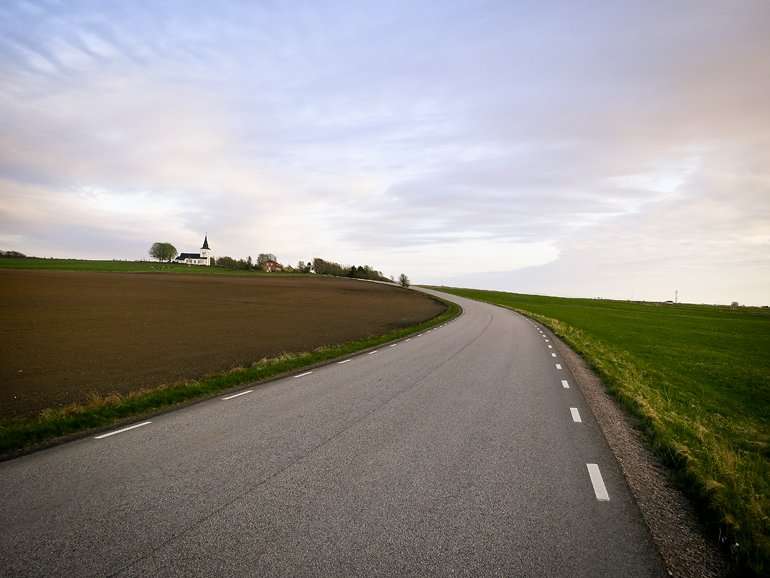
<point>203,258</point>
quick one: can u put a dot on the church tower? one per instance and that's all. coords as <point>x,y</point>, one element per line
<point>205,251</point>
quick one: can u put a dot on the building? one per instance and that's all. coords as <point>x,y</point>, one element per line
<point>203,258</point>
<point>271,266</point>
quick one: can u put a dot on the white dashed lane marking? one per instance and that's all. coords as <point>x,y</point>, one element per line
<point>346,361</point>
<point>303,374</point>
<point>117,431</point>
<point>565,384</point>
<point>575,415</point>
<point>553,355</point>
<point>598,483</point>
<point>237,394</point>
<point>372,352</point>
<point>558,366</point>
<point>550,346</point>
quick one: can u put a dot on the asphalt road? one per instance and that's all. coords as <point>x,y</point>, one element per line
<point>455,452</point>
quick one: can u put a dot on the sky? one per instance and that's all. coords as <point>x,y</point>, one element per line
<point>596,149</point>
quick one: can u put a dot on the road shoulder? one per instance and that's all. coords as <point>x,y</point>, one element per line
<point>668,514</point>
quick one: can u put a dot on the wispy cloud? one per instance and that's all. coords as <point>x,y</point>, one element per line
<point>624,144</point>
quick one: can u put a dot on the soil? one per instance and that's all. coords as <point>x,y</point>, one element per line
<point>66,334</point>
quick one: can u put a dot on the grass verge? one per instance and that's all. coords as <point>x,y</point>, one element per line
<point>699,379</point>
<point>100,412</point>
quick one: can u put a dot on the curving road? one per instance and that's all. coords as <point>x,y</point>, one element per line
<point>456,452</point>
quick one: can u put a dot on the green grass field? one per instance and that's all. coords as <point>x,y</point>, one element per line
<point>699,378</point>
<point>122,267</point>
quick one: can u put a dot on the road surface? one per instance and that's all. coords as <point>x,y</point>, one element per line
<point>454,452</point>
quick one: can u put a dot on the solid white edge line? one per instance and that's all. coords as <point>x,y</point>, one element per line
<point>598,483</point>
<point>117,431</point>
<point>558,366</point>
<point>565,384</point>
<point>346,361</point>
<point>237,394</point>
<point>303,374</point>
<point>575,415</point>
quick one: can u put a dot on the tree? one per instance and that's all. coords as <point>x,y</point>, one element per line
<point>163,251</point>
<point>156,251</point>
<point>227,262</point>
<point>250,263</point>
<point>264,258</point>
<point>403,280</point>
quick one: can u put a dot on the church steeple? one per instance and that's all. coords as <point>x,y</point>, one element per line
<point>205,242</point>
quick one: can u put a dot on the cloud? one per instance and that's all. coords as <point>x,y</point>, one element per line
<point>624,144</point>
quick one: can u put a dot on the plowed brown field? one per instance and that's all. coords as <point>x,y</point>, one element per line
<point>65,334</point>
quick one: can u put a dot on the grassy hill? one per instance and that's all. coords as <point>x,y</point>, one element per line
<point>119,266</point>
<point>699,378</point>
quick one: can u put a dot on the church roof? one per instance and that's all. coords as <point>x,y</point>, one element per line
<point>183,256</point>
<point>205,242</point>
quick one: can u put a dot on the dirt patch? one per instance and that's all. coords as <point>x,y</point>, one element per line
<point>66,334</point>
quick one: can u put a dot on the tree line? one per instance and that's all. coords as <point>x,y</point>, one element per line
<point>323,267</point>
<point>247,264</point>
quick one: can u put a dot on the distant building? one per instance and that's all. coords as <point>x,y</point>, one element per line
<point>271,266</point>
<point>203,258</point>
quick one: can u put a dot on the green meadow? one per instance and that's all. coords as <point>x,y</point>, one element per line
<point>698,377</point>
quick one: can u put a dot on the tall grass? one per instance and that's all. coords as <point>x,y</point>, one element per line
<point>699,379</point>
